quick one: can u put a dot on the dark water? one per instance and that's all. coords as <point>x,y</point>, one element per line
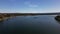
<point>41,24</point>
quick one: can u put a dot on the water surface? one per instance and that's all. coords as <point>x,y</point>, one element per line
<point>40,24</point>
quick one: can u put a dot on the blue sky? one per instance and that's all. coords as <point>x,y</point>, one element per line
<point>29,6</point>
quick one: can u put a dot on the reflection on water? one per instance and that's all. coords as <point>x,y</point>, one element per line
<point>43,24</point>
<point>1,21</point>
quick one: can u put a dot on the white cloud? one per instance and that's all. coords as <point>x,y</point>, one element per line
<point>7,11</point>
<point>12,0</point>
<point>30,4</point>
<point>27,2</point>
<point>33,5</point>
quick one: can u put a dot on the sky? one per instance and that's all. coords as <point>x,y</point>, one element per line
<point>29,6</point>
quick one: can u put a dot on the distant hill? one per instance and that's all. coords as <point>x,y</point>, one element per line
<point>32,13</point>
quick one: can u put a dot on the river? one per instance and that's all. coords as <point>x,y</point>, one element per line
<point>40,24</point>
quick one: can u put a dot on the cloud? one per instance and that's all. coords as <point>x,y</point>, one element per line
<point>31,4</point>
<point>7,11</point>
<point>27,3</point>
<point>12,0</point>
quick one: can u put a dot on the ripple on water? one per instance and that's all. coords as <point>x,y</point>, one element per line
<point>29,24</point>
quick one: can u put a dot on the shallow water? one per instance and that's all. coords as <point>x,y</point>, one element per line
<point>40,24</point>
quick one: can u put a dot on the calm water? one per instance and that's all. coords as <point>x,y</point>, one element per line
<point>40,24</point>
